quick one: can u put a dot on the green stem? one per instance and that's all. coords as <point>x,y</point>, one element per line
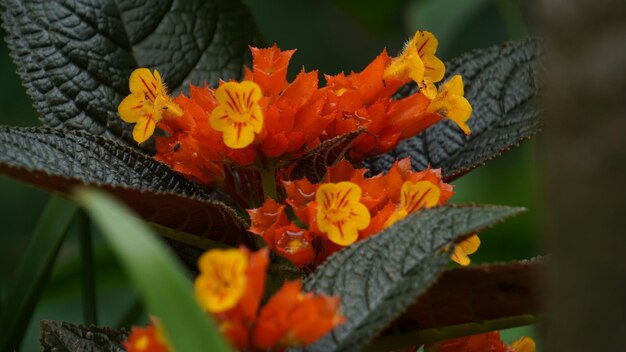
<point>88,272</point>
<point>183,237</point>
<point>268,179</point>
<point>34,271</point>
<point>422,337</point>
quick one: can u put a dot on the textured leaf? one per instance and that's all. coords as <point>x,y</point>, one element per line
<point>377,279</point>
<point>501,84</point>
<point>57,161</point>
<point>313,164</point>
<point>75,57</point>
<point>61,336</point>
<point>476,293</point>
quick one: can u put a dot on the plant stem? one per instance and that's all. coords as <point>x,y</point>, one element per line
<point>183,237</point>
<point>268,179</point>
<point>90,305</point>
<point>421,337</point>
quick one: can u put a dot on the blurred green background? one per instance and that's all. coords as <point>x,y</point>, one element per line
<point>331,36</point>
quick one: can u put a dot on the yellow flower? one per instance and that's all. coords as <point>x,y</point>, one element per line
<point>147,102</point>
<point>464,248</point>
<point>222,279</point>
<point>340,214</point>
<point>238,115</point>
<point>413,197</point>
<point>451,103</point>
<point>418,62</point>
<point>524,344</point>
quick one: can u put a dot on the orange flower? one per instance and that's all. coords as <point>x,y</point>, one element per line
<point>293,319</point>
<point>483,342</point>
<point>295,244</point>
<point>146,339</point>
<point>290,318</point>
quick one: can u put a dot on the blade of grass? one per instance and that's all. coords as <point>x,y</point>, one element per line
<point>34,271</point>
<point>157,276</point>
<point>88,272</point>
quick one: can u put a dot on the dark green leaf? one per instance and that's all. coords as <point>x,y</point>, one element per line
<point>58,161</point>
<point>502,85</point>
<point>157,276</point>
<point>34,271</point>
<point>313,165</point>
<point>62,336</point>
<point>475,294</point>
<point>377,279</point>
<point>75,57</point>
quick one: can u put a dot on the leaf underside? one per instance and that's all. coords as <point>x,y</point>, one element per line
<point>314,163</point>
<point>502,85</point>
<point>378,278</point>
<point>75,57</point>
<point>58,161</point>
<point>61,336</point>
<point>474,294</point>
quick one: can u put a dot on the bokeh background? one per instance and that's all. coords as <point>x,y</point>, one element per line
<point>331,36</point>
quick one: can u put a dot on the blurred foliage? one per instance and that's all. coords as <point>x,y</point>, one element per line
<point>331,36</point>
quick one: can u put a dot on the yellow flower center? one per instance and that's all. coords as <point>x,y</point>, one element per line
<point>340,214</point>
<point>413,197</point>
<point>222,279</point>
<point>146,104</point>
<point>238,115</point>
<point>451,103</point>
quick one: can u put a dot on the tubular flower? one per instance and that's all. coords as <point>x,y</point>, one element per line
<point>222,279</point>
<point>147,103</point>
<point>340,214</point>
<point>464,248</point>
<point>483,342</point>
<point>238,115</point>
<point>451,103</point>
<point>291,318</point>
<point>346,207</point>
<point>146,339</point>
<point>294,319</point>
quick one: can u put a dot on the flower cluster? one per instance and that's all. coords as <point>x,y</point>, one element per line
<point>266,118</point>
<point>483,342</point>
<point>230,287</point>
<point>346,207</point>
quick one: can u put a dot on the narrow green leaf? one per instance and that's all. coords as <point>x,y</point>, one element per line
<point>62,336</point>
<point>34,271</point>
<point>158,277</point>
<point>502,84</point>
<point>88,272</point>
<point>75,57</point>
<point>377,279</point>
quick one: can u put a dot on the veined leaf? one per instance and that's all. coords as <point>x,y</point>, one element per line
<point>159,279</point>
<point>75,57</point>
<point>58,161</point>
<point>377,279</point>
<point>62,336</point>
<point>502,85</point>
<point>476,293</point>
<point>314,163</point>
